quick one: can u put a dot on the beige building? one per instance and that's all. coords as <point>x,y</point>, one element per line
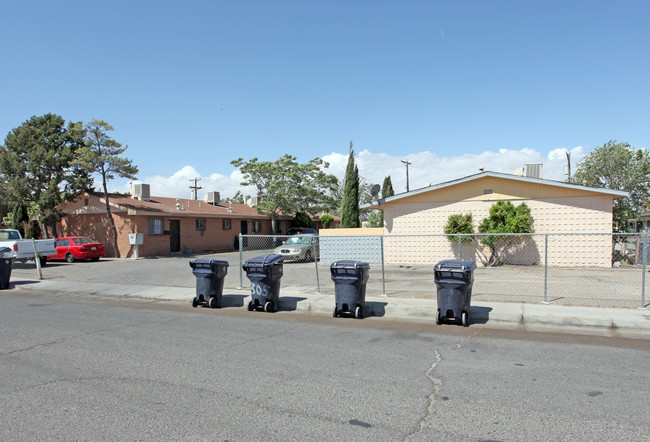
<point>556,207</point>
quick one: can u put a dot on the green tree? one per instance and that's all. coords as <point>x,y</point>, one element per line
<point>286,186</point>
<point>5,200</point>
<point>350,204</point>
<point>386,191</point>
<point>618,166</point>
<point>327,220</point>
<point>101,156</point>
<point>504,217</point>
<point>34,230</point>
<point>302,219</point>
<point>239,198</point>
<point>459,224</point>
<point>19,218</point>
<point>37,166</point>
<point>375,219</point>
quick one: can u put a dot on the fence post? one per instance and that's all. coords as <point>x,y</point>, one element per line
<point>460,246</point>
<point>645,266</point>
<point>316,256</point>
<point>546,268</point>
<point>37,260</point>
<point>241,264</point>
<point>383,275</point>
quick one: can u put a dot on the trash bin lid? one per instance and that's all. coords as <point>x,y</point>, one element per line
<point>205,262</point>
<point>349,264</point>
<point>264,260</point>
<point>456,265</point>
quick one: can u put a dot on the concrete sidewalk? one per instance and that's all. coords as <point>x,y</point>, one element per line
<point>632,323</point>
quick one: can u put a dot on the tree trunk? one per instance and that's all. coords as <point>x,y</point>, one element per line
<point>111,221</point>
<point>274,223</point>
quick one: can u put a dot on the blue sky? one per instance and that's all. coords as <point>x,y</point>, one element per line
<point>451,86</point>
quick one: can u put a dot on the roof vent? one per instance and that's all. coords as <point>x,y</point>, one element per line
<point>212,198</point>
<point>140,191</point>
<point>253,201</point>
<point>533,170</point>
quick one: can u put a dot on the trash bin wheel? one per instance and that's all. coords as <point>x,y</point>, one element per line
<point>268,307</point>
<point>438,320</point>
<point>251,306</point>
<point>358,312</point>
<point>194,303</point>
<point>465,319</point>
<point>213,303</point>
<point>336,312</point>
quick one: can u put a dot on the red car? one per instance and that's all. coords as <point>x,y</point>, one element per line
<point>71,248</point>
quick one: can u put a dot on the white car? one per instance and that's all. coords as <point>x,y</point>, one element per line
<point>299,248</point>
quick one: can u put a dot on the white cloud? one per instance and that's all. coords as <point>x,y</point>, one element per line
<point>425,168</point>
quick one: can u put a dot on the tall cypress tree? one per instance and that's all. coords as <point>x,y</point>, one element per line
<point>350,205</point>
<point>386,191</point>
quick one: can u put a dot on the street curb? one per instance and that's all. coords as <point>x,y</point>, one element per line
<point>536,317</point>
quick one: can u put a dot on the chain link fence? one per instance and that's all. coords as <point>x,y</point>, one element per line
<point>599,270</point>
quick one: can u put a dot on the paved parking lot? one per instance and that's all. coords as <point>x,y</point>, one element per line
<point>616,287</point>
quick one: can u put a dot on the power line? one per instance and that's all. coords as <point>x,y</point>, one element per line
<point>195,187</point>
<point>406,163</point>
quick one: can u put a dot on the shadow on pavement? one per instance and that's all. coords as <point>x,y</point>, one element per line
<point>376,308</point>
<point>290,303</point>
<point>232,301</point>
<point>479,315</point>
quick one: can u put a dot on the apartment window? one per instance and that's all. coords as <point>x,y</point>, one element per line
<point>226,224</point>
<point>155,226</point>
<point>200,224</point>
<point>257,226</point>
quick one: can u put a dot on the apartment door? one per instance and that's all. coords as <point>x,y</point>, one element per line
<point>174,235</point>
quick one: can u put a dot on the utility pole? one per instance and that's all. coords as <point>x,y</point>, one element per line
<point>195,187</point>
<point>406,163</point>
<point>568,159</point>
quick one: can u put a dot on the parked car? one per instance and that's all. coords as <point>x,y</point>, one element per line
<point>299,248</point>
<point>72,248</point>
<point>302,231</point>
<point>23,249</point>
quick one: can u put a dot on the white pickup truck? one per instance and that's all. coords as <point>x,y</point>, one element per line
<point>23,249</point>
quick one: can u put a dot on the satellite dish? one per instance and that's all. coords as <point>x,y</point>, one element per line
<point>374,191</point>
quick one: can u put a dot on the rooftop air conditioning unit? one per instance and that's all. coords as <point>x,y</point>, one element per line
<point>212,198</point>
<point>253,201</point>
<point>141,192</point>
<point>533,170</point>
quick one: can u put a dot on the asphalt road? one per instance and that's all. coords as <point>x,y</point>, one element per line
<point>78,367</point>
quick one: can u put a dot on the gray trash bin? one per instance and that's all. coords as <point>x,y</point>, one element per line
<point>210,274</point>
<point>454,279</point>
<point>350,279</point>
<point>265,273</point>
<point>6,262</point>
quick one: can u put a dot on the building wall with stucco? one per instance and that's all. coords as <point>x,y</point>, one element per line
<point>553,210</point>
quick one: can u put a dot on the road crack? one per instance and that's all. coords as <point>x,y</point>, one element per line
<point>437,383</point>
<point>460,343</point>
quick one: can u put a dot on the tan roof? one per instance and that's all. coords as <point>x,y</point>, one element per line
<point>516,178</point>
